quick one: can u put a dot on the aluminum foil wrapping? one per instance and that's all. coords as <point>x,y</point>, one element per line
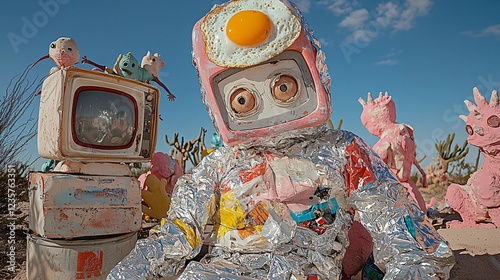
<point>261,230</point>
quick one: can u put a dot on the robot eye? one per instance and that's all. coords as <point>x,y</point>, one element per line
<point>284,87</point>
<point>242,101</point>
<point>493,121</point>
<point>52,46</point>
<point>469,129</point>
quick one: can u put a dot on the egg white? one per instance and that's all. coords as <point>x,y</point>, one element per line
<point>223,52</point>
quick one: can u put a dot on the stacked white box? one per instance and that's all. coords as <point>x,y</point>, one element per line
<point>72,205</point>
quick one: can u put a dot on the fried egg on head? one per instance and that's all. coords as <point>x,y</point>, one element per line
<point>243,33</point>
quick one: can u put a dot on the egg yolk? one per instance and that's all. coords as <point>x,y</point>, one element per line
<point>248,28</point>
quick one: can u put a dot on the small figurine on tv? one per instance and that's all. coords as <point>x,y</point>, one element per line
<point>64,53</point>
<point>128,66</point>
<point>152,63</point>
<point>478,201</point>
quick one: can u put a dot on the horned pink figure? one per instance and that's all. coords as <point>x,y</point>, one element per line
<point>396,146</point>
<point>478,202</point>
<point>163,167</point>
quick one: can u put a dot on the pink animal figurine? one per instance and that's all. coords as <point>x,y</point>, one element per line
<point>396,146</point>
<point>478,202</point>
<point>152,63</point>
<point>163,167</point>
<point>158,184</point>
<point>64,53</point>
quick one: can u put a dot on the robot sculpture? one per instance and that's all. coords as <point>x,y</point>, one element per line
<point>396,146</point>
<point>478,202</point>
<point>280,191</point>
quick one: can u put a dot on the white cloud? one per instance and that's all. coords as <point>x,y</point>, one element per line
<point>387,13</point>
<point>303,5</point>
<point>339,7</point>
<point>412,10</point>
<point>493,30</point>
<point>393,52</point>
<point>323,42</point>
<point>389,61</point>
<point>390,16</point>
<point>355,20</point>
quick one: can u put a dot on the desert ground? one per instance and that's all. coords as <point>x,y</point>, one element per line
<point>477,250</point>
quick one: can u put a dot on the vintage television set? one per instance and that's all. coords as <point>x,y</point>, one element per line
<point>90,116</point>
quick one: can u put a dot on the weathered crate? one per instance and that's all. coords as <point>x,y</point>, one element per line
<point>72,206</point>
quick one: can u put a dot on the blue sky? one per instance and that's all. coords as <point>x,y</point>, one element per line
<point>427,54</point>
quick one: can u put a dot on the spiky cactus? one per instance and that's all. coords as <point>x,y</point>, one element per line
<point>190,151</point>
<point>330,125</point>
<point>446,155</point>
<point>437,171</point>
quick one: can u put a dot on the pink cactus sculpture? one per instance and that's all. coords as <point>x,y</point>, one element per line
<point>478,202</point>
<point>396,146</point>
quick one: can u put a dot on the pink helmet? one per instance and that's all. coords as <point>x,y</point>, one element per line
<point>261,71</point>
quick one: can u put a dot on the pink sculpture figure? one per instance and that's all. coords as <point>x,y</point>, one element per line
<point>478,202</point>
<point>64,53</point>
<point>396,146</point>
<point>163,167</point>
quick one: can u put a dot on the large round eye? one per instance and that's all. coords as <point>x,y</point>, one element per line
<point>284,88</point>
<point>469,129</point>
<point>493,121</point>
<point>242,101</point>
<point>52,46</point>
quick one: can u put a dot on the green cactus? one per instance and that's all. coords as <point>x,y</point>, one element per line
<point>330,124</point>
<point>446,155</point>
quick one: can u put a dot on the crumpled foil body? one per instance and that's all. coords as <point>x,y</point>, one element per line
<point>280,209</point>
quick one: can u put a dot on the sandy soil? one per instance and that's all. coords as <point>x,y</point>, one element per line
<point>477,251</point>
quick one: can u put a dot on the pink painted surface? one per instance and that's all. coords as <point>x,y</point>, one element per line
<point>478,201</point>
<point>396,145</point>
<point>163,167</point>
<point>208,70</point>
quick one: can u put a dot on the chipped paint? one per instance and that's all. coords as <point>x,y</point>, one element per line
<point>69,206</point>
<point>76,259</point>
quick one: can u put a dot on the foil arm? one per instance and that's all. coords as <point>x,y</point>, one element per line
<point>406,246</point>
<point>179,236</point>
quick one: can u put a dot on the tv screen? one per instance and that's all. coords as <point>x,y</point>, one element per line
<point>104,118</point>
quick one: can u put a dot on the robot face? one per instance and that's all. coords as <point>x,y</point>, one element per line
<point>260,70</point>
<point>269,94</point>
